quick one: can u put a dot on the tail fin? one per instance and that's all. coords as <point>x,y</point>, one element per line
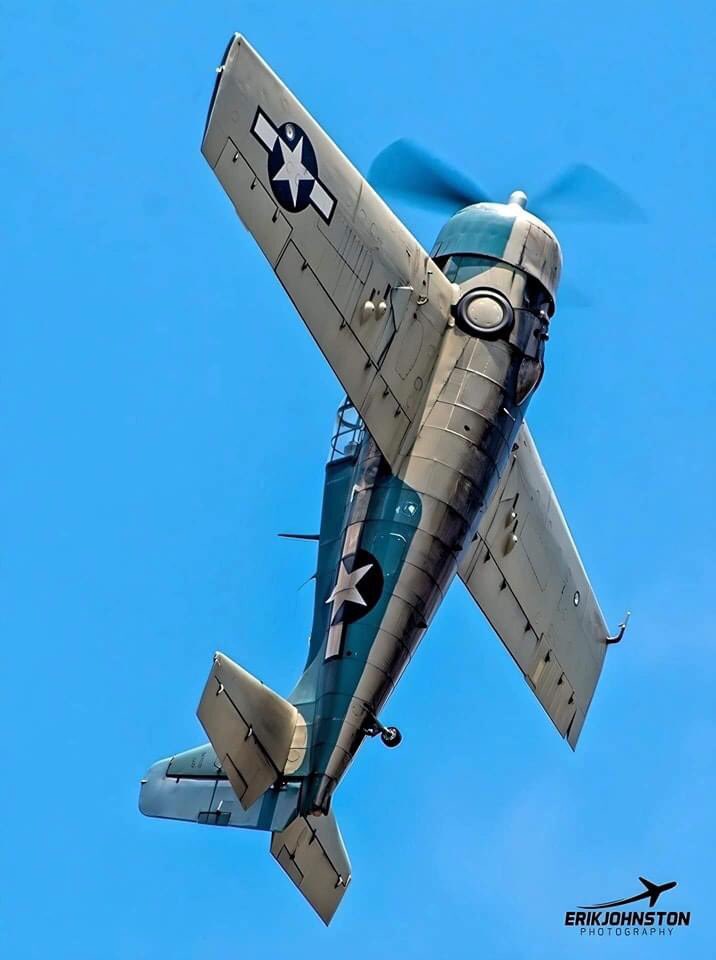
<point>236,781</point>
<point>192,786</point>
<point>250,727</point>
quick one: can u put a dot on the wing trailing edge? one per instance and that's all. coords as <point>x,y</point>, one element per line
<point>524,571</point>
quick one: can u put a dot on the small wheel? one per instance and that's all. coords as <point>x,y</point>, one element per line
<point>391,736</point>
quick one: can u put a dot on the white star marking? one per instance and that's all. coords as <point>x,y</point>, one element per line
<point>346,591</point>
<point>293,170</point>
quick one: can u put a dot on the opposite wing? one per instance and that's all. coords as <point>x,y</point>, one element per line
<point>371,297</point>
<point>526,574</point>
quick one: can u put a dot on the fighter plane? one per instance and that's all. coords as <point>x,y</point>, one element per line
<point>433,474</point>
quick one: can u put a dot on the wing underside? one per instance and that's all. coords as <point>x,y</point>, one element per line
<point>367,291</point>
<point>525,572</point>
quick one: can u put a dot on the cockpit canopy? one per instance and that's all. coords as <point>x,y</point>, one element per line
<point>461,267</point>
<point>484,234</point>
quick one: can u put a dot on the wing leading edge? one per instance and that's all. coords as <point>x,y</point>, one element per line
<point>525,572</point>
<point>367,291</point>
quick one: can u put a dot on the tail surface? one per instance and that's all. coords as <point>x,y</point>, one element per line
<point>238,781</point>
<point>250,727</point>
<point>312,853</point>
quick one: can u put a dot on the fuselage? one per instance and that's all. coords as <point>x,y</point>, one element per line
<point>390,544</point>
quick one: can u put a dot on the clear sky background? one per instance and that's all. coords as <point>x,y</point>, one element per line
<point>165,414</point>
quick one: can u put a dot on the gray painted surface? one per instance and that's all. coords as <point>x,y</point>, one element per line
<point>526,574</point>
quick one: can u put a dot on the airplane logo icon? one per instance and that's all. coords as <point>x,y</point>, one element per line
<point>652,892</point>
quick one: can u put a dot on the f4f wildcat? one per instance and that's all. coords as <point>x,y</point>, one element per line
<point>432,473</point>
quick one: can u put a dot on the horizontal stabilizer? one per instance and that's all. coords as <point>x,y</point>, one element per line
<point>311,852</point>
<point>250,728</point>
<point>192,786</point>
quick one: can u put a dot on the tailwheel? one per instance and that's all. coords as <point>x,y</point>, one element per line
<point>391,736</point>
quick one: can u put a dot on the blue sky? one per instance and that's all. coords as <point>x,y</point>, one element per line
<point>165,414</point>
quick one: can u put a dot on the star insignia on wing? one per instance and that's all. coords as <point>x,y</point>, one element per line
<point>293,170</point>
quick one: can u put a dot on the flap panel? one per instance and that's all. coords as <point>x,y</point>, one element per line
<point>262,217</point>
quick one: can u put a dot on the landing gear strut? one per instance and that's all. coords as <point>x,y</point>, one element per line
<point>390,736</point>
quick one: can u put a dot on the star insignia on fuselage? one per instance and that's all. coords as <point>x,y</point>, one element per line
<point>346,588</point>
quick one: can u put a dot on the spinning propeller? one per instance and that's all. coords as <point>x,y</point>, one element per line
<point>408,171</point>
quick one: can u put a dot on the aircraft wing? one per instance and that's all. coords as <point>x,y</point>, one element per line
<point>373,300</point>
<point>524,571</point>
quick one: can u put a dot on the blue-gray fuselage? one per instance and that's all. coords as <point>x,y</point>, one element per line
<point>389,545</point>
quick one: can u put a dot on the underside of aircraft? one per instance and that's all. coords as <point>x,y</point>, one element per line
<point>433,476</point>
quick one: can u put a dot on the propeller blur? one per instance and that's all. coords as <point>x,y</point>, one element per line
<point>580,193</point>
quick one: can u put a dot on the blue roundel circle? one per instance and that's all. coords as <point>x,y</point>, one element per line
<point>292,168</point>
